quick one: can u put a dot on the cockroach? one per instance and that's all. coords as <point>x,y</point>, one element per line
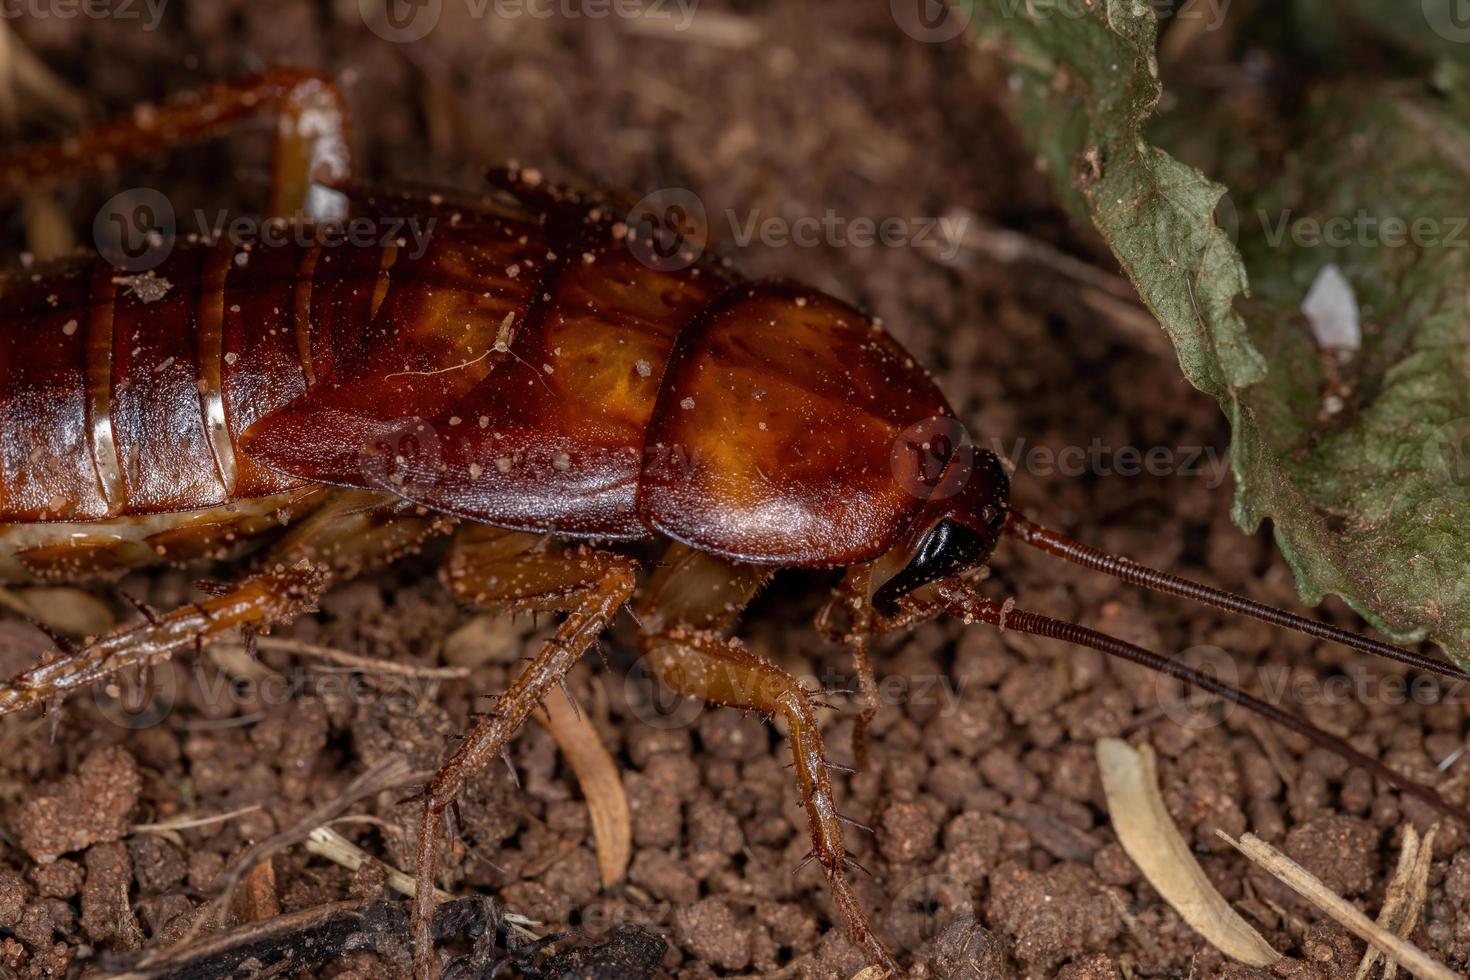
<point>534,383</point>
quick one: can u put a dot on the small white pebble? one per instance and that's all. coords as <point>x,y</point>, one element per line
<point>687,404</point>
<point>69,327</point>
<point>644,368</point>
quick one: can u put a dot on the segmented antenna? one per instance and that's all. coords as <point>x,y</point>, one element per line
<point>1058,544</point>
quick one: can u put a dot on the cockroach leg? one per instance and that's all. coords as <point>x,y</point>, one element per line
<point>707,666</point>
<point>311,141</point>
<point>850,598</point>
<point>272,596</point>
<point>962,601</point>
<point>494,568</point>
<point>695,594</point>
<point>349,532</point>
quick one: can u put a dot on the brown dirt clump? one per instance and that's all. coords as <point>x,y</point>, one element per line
<point>93,805</point>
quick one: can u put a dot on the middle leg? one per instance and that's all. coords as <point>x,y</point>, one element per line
<point>687,655</point>
<point>509,569</point>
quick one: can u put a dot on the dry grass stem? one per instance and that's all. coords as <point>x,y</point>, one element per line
<point>1301,881</point>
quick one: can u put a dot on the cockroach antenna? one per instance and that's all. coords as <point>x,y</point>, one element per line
<point>1055,543</point>
<point>963,602</point>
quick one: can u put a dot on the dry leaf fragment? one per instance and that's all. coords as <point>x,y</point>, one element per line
<point>1149,836</point>
<point>601,782</point>
<point>1305,884</point>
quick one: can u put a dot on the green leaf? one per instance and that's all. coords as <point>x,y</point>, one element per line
<point>1362,464</point>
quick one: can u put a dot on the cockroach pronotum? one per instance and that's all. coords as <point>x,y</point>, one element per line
<point>530,381</point>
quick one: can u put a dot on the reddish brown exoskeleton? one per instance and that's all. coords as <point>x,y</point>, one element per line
<point>532,381</point>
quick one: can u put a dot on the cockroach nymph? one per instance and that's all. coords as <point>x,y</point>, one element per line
<point>528,382</point>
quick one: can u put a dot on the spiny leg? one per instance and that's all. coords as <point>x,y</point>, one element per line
<point>690,658</point>
<point>859,637</point>
<point>311,140</point>
<point>495,568</point>
<point>349,532</point>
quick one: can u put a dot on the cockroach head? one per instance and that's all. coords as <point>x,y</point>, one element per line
<point>956,530</point>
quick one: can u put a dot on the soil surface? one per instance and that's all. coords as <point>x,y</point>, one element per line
<point>992,854</point>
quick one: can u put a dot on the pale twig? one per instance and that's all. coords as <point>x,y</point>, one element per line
<point>186,822</point>
<point>370,665</point>
<point>392,771</point>
<point>1106,293</point>
<point>1305,884</point>
<point>712,28</point>
<point>327,843</point>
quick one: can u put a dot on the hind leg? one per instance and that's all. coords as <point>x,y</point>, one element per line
<point>311,140</point>
<point>351,531</point>
<point>507,569</point>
